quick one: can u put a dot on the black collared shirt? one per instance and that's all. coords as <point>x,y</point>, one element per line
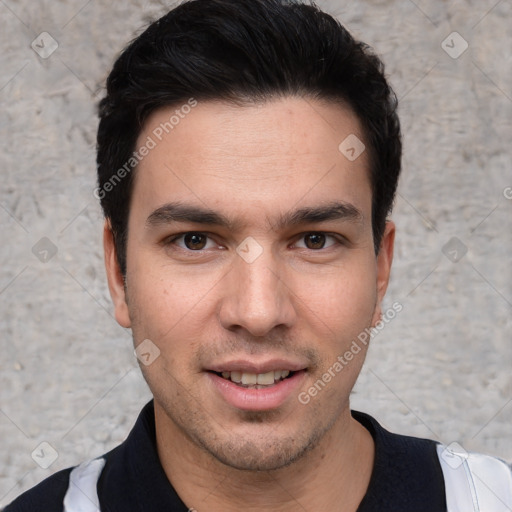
<point>407,476</point>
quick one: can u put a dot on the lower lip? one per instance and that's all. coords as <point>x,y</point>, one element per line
<point>260,399</point>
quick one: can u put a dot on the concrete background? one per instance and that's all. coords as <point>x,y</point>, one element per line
<point>440,369</point>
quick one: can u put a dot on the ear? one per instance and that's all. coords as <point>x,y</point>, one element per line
<point>115,278</point>
<point>384,260</point>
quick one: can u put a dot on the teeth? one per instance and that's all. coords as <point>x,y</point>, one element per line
<point>252,379</point>
<point>249,378</point>
<point>266,378</point>
<point>236,376</point>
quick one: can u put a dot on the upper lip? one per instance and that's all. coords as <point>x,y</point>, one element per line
<point>246,366</point>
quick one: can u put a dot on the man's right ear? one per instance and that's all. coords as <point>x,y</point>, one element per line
<point>115,278</point>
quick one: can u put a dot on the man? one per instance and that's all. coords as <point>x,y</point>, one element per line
<point>248,157</point>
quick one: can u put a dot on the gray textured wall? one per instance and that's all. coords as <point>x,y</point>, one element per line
<point>440,369</point>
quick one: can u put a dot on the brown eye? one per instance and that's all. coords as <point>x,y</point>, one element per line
<point>195,241</point>
<point>315,240</point>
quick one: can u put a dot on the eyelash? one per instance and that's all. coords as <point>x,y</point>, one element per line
<point>339,239</point>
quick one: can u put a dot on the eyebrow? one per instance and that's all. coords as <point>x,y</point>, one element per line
<point>179,212</point>
<point>333,211</point>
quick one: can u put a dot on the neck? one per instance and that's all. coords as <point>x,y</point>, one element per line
<point>333,475</point>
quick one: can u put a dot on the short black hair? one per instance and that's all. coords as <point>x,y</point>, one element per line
<point>242,51</point>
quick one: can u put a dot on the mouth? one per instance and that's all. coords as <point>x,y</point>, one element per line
<point>251,387</point>
<point>256,380</point>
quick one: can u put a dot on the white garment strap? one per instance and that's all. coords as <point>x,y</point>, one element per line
<point>475,482</point>
<point>82,495</point>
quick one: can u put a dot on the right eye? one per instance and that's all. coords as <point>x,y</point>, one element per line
<point>191,241</point>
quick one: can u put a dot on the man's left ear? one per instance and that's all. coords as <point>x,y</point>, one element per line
<point>384,260</point>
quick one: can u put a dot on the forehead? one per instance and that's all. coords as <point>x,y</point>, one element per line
<point>271,156</point>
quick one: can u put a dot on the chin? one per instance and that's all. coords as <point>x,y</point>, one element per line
<point>249,440</point>
<point>252,456</point>
<point>258,448</point>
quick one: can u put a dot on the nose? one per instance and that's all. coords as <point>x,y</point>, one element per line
<point>257,296</point>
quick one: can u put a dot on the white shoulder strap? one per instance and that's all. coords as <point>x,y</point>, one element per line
<point>82,495</point>
<point>475,482</point>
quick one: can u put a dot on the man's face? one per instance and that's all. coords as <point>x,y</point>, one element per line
<point>277,274</point>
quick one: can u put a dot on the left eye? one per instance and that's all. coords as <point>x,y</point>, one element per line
<point>317,241</point>
<point>193,241</point>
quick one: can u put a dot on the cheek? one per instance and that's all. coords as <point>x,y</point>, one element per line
<point>152,304</point>
<point>345,300</point>
<point>167,306</point>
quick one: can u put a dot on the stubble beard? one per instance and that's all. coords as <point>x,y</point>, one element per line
<point>268,450</point>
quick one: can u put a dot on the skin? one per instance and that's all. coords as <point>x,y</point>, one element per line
<point>299,300</point>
